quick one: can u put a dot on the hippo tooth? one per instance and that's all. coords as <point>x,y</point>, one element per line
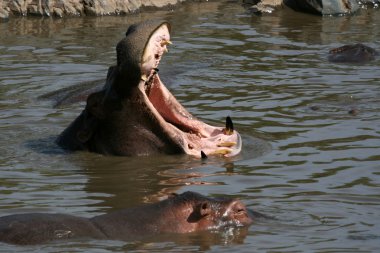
<point>227,144</point>
<point>203,155</point>
<point>222,152</point>
<point>165,42</point>
<point>229,126</point>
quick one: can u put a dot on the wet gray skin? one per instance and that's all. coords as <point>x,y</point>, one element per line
<point>183,213</point>
<point>135,114</point>
<point>357,53</point>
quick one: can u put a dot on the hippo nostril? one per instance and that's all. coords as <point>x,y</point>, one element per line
<point>157,56</point>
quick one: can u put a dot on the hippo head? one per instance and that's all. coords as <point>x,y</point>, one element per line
<point>195,212</point>
<point>356,53</point>
<point>135,114</point>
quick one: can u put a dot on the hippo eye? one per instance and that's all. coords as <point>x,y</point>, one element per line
<point>240,210</point>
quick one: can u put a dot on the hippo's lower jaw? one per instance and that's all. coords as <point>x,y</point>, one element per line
<point>194,136</point>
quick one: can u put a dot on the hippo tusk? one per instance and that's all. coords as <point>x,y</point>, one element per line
<point>144,78</point>
<point>165,42</point>
<point>229,130</point>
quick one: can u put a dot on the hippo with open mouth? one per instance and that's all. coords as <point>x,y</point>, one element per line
<point>135,114</point>
<point>183,213</point>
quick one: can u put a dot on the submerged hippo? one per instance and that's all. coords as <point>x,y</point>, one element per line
<point>183,213</point>
<point>357,53</point>
<point>135,114</point>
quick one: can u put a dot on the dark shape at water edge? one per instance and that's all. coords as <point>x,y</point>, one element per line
<point>324,7</point>
<point>353,53</point>
<point>317,7</point>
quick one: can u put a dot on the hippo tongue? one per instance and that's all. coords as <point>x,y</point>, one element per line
<point>193,135</point>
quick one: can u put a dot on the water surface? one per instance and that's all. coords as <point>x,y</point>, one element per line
<point>308,160</point>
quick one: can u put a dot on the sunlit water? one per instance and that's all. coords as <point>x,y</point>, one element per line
<point>307,160</point>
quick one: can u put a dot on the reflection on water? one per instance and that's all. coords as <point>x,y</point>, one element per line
<point>308,160</point>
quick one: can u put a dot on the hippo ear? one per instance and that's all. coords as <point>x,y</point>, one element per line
<point>204,209</point>
<point>200,210</point>
<point>172,195</point>
<point>95,105</point>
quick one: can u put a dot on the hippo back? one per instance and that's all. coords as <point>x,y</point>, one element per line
<point>35,228</point>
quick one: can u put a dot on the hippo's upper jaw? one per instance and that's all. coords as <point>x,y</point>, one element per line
<point>135,114</point>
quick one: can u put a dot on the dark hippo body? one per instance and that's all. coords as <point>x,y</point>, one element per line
<point>184,213</point>
<point>135,114</point>
<point>35,228</point>
<point>357,53</point>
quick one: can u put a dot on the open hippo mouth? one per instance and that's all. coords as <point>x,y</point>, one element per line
<point>135,114</point>
<point>197,138</point>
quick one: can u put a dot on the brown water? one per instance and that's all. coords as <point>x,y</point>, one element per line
<point>307,161</point>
